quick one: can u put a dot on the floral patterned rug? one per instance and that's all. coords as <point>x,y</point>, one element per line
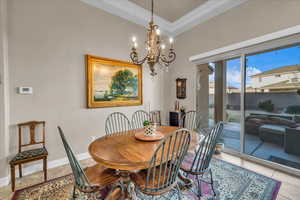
<point>230,181</point>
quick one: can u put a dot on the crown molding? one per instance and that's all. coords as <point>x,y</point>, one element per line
<point>131,12</point>
<point>229,50</point>
<point>203,13</point>
<point>136,14</point>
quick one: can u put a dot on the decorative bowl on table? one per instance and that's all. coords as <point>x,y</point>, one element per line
<point>149,133</point>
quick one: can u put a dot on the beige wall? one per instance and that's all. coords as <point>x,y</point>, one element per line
<point>249,20</point>
<point>47,43</point>
<point>3,85</point>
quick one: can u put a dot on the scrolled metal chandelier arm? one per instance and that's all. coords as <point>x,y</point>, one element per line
<point>135,59</point>
<point>154,47</point>
<point>167,60</point>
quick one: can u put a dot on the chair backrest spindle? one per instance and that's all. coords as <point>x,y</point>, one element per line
<point>81,181</point>
<point>165,163</point>
<point>190,120</point>
<point>206,149</point>
<point>138,119</point>
<point>117,122</point>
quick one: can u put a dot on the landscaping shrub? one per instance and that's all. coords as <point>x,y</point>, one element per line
<point>266,105</point>
<point>293,109</point>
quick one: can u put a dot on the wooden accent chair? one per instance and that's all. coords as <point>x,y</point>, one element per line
<point>161,175</point>
<point>196,164</point>
<point>155,117</point>
<point>138,119</point>
<point>32,154</point>
<point>117,122</point>
<point>92,182</point>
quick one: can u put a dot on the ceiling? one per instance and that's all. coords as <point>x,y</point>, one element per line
<point>170,10</point>
<point>172,16</point>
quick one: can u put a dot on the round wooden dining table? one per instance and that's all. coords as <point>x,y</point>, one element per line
<point>123,152</point>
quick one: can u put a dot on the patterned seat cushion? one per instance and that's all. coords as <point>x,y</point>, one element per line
<point>29,154</point>
<point>188,161</point>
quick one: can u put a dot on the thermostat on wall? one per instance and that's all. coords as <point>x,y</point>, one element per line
<point>25,90</point>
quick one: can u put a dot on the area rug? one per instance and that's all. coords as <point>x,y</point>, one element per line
<point>230,181</point>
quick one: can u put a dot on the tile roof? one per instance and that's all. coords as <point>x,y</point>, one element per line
<point>291,68</point>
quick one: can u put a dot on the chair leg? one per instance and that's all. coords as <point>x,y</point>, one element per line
<point>74,193</point>
<point>45,168</point>
<point>212,182</point>
<point>199,187</point>
<point>20,170</point>
<point>13,177</point>
<point>179,192</point>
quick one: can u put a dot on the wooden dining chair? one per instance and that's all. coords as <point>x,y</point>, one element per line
<point>29,155</point>
<point>198,163</point>
<point>138,119</point>
<point>91,182</point>
<point>117,122</point>
<point>155,117</point>
<point>161,175</point>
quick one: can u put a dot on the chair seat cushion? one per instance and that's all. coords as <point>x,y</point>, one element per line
<point>101,176</point>
<point>33,153</point>
<point>188,161</point>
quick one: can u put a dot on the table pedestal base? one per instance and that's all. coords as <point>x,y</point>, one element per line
<point>129,188</point>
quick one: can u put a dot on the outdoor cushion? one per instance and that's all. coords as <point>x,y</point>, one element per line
<point>273,129</point>
<point>29,154</point>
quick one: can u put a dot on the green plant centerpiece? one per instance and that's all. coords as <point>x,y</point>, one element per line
<point>149,128</point>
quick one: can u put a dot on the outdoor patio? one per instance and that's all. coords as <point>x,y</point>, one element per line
<point>256,147</point>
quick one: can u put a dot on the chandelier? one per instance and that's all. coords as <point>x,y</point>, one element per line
<point>155,49</point>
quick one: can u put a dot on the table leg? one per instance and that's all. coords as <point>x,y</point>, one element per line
<point>129,188</point>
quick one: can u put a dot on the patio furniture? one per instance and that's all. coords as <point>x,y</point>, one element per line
<point>138,119</point>
<point>91,180</point>
<point>29,155</point>
<point>272,133</point>
<point>117,122</point>
<point>292,141</point>
<point>197,164</point>
<point>161,175</point>
<point>254,121</point>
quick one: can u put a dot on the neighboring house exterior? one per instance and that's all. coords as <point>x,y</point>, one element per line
<point>229,89</point>
<point>285,78</point>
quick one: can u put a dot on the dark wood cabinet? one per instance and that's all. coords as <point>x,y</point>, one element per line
<point>175,118</point>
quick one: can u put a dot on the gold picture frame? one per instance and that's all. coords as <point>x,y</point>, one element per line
<point>113,83</point>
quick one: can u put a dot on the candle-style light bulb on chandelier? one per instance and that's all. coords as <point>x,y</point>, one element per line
<point>155,48</point>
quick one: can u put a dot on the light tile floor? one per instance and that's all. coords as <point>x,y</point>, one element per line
<point>290,188</point>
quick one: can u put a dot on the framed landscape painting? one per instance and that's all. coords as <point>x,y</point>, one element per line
<point>113,83</point>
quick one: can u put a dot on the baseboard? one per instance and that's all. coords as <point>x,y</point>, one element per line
<point>39,167</point>
<point>4,181</point>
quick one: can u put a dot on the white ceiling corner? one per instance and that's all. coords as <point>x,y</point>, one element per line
<point>136,14</point>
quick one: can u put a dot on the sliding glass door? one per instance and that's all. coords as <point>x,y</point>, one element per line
<point>257,96</point>
<point>272,106</point>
